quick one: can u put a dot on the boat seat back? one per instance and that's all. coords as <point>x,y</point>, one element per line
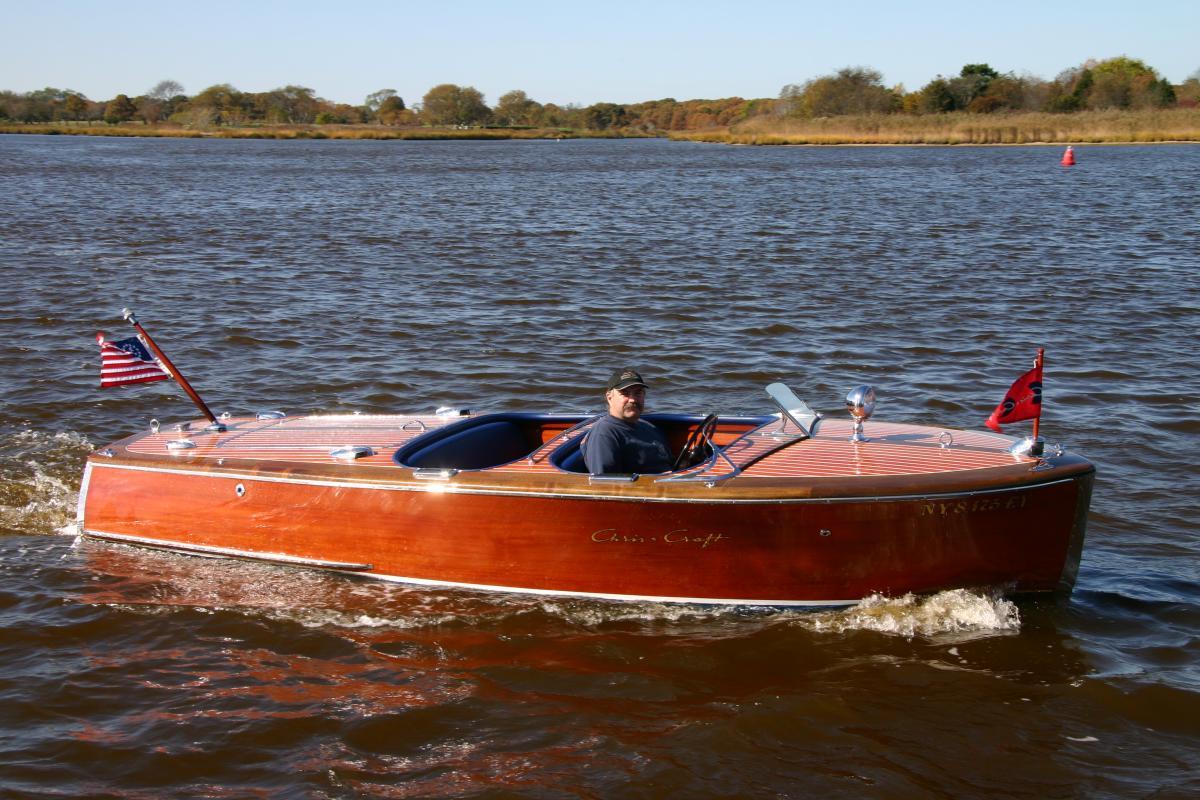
<point>476,447</point>
<point>571,459</point>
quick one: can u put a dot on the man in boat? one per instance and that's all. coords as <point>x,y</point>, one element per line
<point>622,442</point>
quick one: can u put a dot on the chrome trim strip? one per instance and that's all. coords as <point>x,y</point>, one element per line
<point>603,478</point>
<point>434,473</point>
<point>444,488</point>
<point>83,490</point>
<point>279,558</point>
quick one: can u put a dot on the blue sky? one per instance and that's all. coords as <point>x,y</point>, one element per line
<point>567,52</point>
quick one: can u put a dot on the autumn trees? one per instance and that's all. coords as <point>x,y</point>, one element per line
<point>448,104</point>
<point>1115,83</point>
<point>515,109</point>
<point>1120,83</point>
<point>852,90</point>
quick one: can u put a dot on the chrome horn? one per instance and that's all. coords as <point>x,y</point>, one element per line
<point>860,402</point>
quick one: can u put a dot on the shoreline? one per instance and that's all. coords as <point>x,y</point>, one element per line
<point>951,130</point>
<point>1073,143</point>
<point>1181,125</point>
<point>286,132</point>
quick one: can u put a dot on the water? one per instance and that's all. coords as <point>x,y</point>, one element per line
<point>396,276</point>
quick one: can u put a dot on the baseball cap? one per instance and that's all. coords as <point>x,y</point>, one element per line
<point>624,378</point>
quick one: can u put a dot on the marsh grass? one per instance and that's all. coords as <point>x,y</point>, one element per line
<point>1086,127</point>
<point>1095,127</point>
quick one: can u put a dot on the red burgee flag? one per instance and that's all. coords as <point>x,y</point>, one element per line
<point>1023,401</point>
<point>127,361</point>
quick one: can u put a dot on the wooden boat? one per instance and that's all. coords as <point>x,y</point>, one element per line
<point>783,509</point>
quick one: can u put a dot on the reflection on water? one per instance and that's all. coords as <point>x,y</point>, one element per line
<point>323,276</point>
<point>397,686</point>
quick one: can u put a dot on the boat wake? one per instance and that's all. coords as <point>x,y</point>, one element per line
<point>39,480</point>
<point>955,611</point>
<point>158,581</point>
<point>961,612</point>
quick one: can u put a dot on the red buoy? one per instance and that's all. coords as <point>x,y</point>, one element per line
<point>1068,159</point>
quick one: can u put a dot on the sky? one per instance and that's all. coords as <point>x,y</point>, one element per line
<point>568,52</point>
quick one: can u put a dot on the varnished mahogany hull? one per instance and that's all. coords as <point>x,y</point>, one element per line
<point>797,550</point>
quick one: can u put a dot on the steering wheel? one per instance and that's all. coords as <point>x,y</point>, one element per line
<point>695,443</point>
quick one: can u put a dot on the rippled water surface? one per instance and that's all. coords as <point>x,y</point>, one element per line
<point>399,276</point>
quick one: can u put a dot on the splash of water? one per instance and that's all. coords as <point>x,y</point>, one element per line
<point>39,476</point>
<point>951,611</point>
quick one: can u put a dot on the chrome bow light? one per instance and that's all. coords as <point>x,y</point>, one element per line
<point>860,402</point>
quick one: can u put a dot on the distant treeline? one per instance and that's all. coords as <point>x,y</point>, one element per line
<point>1115,83</point>
<point>446,105</point>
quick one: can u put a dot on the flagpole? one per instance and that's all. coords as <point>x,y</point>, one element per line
<point>175,373</point>
<point>1037,364</point>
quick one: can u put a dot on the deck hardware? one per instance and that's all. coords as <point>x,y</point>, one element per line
<point>946,440</point>
<point>176,445</point>
<point>265,415</point>
<point>351,452</point>
<point>792,408</point>
<point>154,426</point>
<point>220,462</point>
<point>215,427</point>
<point>451,411</point>
<point>183,426</point>
<point>825,532</point>
<point>860,402</point>
<point>1027,448</point>
<point>421,425</point>
<point>107,452</point>
<point>240,490</point>
<point>613,478</point>
<point>225,416</point>
<point>434,473</point>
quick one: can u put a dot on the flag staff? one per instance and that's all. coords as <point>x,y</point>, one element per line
<point>131,318</point>
<point>1037,364</point>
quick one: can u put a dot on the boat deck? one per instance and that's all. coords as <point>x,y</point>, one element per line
<point>893,449</point>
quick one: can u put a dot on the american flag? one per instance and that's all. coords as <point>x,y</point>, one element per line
<point>127,361</point>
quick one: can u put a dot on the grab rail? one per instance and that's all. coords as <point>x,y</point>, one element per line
<point>546,449</point>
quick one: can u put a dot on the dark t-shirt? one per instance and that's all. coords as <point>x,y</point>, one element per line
<point>615,446</point>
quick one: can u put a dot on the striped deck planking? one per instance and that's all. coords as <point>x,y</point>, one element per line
<point>893,448</point>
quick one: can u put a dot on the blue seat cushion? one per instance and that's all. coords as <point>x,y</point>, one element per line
<point>477,447</point>
<point>572,461</point>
